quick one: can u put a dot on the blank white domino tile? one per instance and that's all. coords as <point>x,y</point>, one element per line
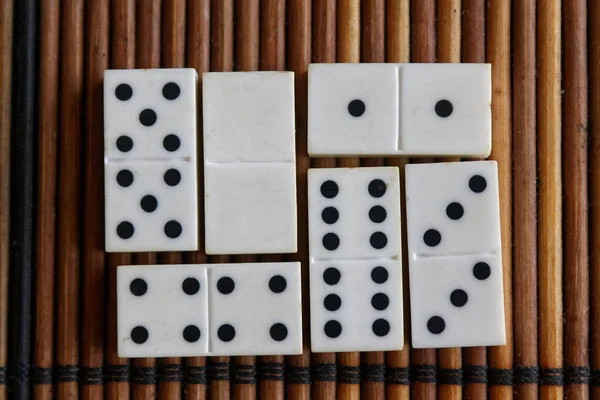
<point>399,109</point>
<point>255,309</point>
<point>150,114</point>
<point>457,301</point>
<point>162,311</point>
<point>250,208</point>
<point>151,206</point>
<point>354,213</point>
<point>248,117</point>
<point>452,209</point>
<point>356,306</point>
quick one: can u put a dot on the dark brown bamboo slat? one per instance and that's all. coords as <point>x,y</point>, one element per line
<point>272,34</point>
<point>122,54</point>
<point>549,186</point>
<point>43,356</point>
<point>575,145</point>
<point>498,53</point>
<point>324,46</point>
<point>398,51</point>
<point>69,192</point>
<point>6,51</point>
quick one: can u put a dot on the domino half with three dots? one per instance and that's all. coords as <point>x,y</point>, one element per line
<point>209,309</point>
<point>249,162</point>
<point>355,259</point>
<point>150,160</point>
<point>399,109</point>
<point>455,254</point>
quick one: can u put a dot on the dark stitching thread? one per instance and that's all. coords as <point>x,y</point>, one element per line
<point>2,375</point>
<point>373,372</point>
<point>67,373</point>
<point>41,376</point>
<point>218,371</point>
<point>577,375</point>
<point>19,373</point>
<point>271,371</point>
<point>552,377</point>
<point>116,373</point>
<point>92,376</point>
<point>168,373</point>
<point>144,375</point>
<point>298,375</point>
<point>194,375</point>
<point>423,373</point>
<point>324,372</point>
<point>450,376</point>
<point>595,377</point>
<point>475,373</point>
<point>349,375</point>
<point>244,374</point>
<point>397,376</point>
<point>502,377</point>
<point>525,374</point>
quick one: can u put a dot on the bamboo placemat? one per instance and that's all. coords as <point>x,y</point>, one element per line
<point>57,286</point>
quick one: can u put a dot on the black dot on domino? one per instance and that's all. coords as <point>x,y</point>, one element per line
<point>332,302</point>
<point>432,237</point>
<point>173,229</point>
<point>125,230</point>
<point>225,285</point>
<point>123,92</point>
<point>148,117</point>
<point>356,108</point>
<point>379,275</point>
<point>482,271</point>
<point>138,287</point>
<point>377,188</point>
<point>477,183</point>
<point>148,203</point>
<point>171,142</point>
<point>172,177</point>
<point>190,286</point>
<point>443,108</point>
<point>377,214</point>
<point>277,284</point>
<point>329,189</point>
<point>331,276</point>
<point>139,335</point>
<point>171,91</point>
<point>332,329</point>
<point>226,333</point>
<point>331,241</point>
<point>124,143</point>
<point>330,215</point>
<point>458,298</point>
<point>436,325</point>
<point>191,334</point>
<point>381,327</point>
<point>278,332</point>
<point>378,240</point>
<point>380,301</point>
<point>455,211</point>
<point>124,178</point>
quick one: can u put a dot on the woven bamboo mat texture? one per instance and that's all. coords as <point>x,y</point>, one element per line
<point>57,286</point>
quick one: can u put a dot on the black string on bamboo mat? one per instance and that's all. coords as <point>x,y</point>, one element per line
<point>349,375</point>
<point>244,374</point>
<point>595,377</point>
<point>271,371</point>
<point>577,375</point>
<point>397,376</point>
<point>168,372</point>
<point>475,373</point>
<point>450,376</point>
<point>298,375</point>
<point>91,376</point>
<point>324,372</point>
<point>42,376</point>
<point>423,373</point>
<point>67,373</point>
<point>116,373</point>
<point>373,372</point>
<point>143,375</point>
<point>552,377</point>
<point>2,375</point>
<point>500,377</point>
<point>527,374</point>
<point>194,375</point>
<point>218,371</point>
<point>22,195</point>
